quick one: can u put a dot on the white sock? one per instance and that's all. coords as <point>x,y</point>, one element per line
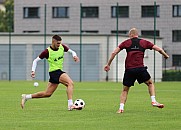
<point>28,96</point>
<point>70,102</point>
<point>153,99</point>
<point>121,106</point>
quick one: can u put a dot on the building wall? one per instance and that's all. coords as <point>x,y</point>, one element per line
<point>104,24</point>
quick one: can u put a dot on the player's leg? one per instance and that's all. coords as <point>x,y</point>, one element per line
<point>67,81</point>
<point>128,81</point>
<point>151,90</point>
<point>151,87</point>
<point>124,94</point>
<point>123,98</point>
<point>144,77</point>
<point>51,87</point>
<point>47,93</point>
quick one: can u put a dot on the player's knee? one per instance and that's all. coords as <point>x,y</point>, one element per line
<point>70,83</point>
<point>126,89</point>
<point>148,83</point>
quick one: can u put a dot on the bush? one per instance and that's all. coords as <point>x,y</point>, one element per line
<point>171,75</point>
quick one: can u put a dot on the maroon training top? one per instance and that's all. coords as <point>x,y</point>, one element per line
<point>135,57</point>
<point>45,53</point>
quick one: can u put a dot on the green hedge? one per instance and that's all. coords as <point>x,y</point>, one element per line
<point>171,75</point>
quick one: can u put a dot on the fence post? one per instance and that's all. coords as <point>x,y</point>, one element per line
<point>117,29</point>
<point>155,14</point>
<point>10,29</point>
<point>45,40</point>
<point>80,42</point>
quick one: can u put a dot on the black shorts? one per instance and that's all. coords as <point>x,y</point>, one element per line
<point>55,75</point>
<point>131,75</point>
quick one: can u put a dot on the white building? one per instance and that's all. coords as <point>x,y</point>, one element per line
<point>99,17</point>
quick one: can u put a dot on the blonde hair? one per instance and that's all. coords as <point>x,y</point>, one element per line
<point>133,32</point>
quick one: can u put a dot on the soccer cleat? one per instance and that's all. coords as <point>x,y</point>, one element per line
<point>120,111</point>
<point>156,104</point>
<point>23,100</point>
<point>70,108</point>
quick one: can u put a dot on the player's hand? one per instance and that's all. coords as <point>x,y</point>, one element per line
<point>166,57</point>
<point>76,59</point>
<point>33,74</point>
<point>107,68</point>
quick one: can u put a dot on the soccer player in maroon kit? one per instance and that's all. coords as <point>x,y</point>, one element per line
<point>134,66</point>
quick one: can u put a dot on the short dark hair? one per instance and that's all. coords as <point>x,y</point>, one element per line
<point>56,37</point>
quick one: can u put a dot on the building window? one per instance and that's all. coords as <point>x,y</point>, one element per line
<point>176,10</point>
<point>90,12</point>
<point>120,32</point>
<point>60,31</point>
<point>60,12</point>
<point>90,31</point>
<point>28,31</point>
<point>149,11</point>
<point>122,11</point>
<point>176,35</point>
<point>150,33</point>
<point>176,60</point>
<point>31,12</point>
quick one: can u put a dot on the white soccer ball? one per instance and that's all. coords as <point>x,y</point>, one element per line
<point>36,84</point>
<point>80,103</point>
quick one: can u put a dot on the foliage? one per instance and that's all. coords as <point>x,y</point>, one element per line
<point>3,26</point>
<point>171,75</point>
<point>7,17</point>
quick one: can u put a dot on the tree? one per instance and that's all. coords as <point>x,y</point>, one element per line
<point>7,17</point>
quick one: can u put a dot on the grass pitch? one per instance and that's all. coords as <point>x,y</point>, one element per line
<point>102,102</point>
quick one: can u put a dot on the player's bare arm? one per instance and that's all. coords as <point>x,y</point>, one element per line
<point>161,51</point>
<point>114,53</point>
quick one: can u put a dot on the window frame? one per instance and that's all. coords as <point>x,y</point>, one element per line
<point>114,11</point>
<point>176,38</point>
<point>124,32</point>
<point>31,31</point>
<point>143,15</point>
<point>176,59</point>
<point>93,14</point>
<point>150,32</point>
<point>90,31</point>
<point>176,8</point>
<point>57,9</point>
<point>27,12</point>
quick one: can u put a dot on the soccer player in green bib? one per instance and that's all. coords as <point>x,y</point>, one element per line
<point>55,56</point>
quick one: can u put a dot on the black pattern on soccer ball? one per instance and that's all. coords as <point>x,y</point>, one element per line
<point>81,103</point>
